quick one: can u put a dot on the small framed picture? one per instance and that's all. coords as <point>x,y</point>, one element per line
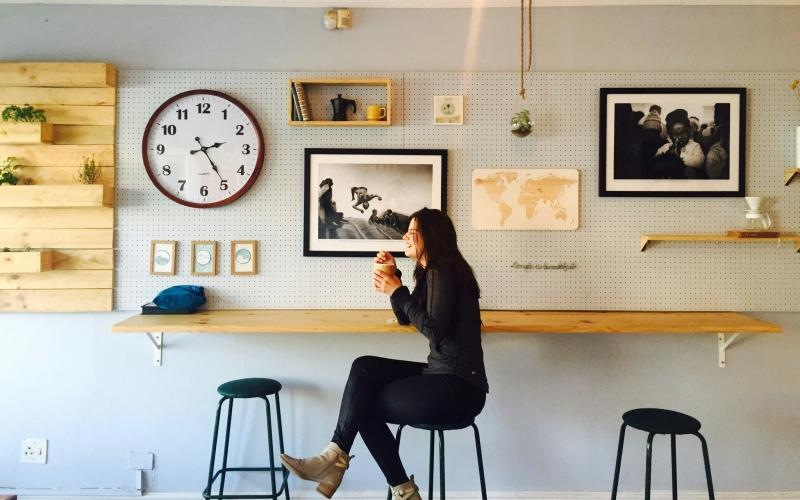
<point>448,110</point>
<point>244,257</point>
<point>162,257</point>
<point>204,258</point>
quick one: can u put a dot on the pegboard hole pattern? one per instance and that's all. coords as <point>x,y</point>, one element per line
<point>611,272</point>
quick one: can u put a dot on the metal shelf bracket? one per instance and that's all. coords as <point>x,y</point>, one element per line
<point>723,344</point>
<point>158,342</point>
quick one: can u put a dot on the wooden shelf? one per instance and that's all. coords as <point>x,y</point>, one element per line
<point>26,133</point>
<point>34,261</point>
<point>790,174</point>
<point>645,239</point>
<point>383,321</point>
<point>731,324</point>
<point>313,86</point>
<point>54,196</point>
<point>57,74</point>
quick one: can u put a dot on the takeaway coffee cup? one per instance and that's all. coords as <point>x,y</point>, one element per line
<point>386,268</point>
<point>376,112</point>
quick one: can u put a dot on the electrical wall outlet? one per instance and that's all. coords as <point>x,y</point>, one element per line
<point>34,451</point>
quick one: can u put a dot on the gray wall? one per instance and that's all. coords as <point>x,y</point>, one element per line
<point>554,409</point>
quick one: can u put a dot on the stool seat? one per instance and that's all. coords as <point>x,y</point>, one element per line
<point>444,427</point>
<point>249,388</point>
<point>661,421</point>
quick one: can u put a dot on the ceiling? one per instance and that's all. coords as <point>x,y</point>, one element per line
<point>415,4</point>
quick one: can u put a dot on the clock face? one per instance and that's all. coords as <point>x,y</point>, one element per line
<point>202,148</point>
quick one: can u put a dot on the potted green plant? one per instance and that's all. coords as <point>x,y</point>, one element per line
<point>25,114</point>
<point>521,123</point>
<point>89,172</point>
<point>7,169</point>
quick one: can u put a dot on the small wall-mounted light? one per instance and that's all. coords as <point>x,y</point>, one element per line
<point>337,19</point>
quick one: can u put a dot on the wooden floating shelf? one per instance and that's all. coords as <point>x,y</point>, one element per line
<point>383,321</point>
<point>789,174</point>
<point>645,239</point>
<point>34,261</point>
<point>54,196</point>
<point>26,133</point>
<point>312,83</point>
<point>349,123</point>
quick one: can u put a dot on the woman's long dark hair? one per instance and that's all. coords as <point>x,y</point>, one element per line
<point>440,246</point>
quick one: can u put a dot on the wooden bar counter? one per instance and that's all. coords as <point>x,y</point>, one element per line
<point>383,321</point>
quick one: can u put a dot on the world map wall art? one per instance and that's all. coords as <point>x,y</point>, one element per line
<point>544,199</point>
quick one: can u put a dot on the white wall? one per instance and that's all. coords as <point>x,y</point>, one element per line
<point>553,414</point>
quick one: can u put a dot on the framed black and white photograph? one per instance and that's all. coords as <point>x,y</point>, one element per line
<point>358,201</point>
<point>672,142</point>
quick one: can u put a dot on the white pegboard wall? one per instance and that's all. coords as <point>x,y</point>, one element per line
<point>611,272</point>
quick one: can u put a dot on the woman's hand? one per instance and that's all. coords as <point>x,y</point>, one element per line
<point>384,257</point>
<point>385,282</point>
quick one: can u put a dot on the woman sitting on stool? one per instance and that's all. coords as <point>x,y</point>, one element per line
<point>451,387</point>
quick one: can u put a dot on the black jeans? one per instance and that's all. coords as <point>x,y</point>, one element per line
<point>381,391</point>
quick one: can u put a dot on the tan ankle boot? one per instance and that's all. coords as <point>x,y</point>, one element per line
<point>327,468</point>
<point>406,491</point>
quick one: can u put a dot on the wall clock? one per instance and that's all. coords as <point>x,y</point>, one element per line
<point>202,148</point>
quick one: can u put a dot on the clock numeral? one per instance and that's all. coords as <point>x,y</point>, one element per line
<point>241,170</point>
<point>183,114</point>
<point>245,149</point>
<point>169,129</point>
<point>239,129</point>
<point>182,183</point>
<point>160,149</point>
<point>204,108</point>
<point>223,185</point>
<point>204,191</point>
<point>224,114</point>
<point>166,170</point>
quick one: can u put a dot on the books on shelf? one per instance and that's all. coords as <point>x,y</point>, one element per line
<point>296,115</point>
<point>305,109</point>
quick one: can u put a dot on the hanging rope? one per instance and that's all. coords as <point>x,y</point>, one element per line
<point>522,68</point>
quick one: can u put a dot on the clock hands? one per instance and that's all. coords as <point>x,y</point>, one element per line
<point>204,150</point>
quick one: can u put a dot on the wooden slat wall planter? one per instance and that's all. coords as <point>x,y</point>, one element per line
<point>25,133</point>
<point>35,261</point>
<point>76,195</point>
<point>69,225</point>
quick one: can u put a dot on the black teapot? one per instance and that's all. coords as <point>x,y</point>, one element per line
<point>340,106</point>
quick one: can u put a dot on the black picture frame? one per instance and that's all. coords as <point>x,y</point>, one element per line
<point>357,201</point>
<point>640,157</point>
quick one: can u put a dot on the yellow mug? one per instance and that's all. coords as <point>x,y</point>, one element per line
<point>376,112</point>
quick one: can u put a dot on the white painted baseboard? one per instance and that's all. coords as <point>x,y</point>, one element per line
<point>451,495</point>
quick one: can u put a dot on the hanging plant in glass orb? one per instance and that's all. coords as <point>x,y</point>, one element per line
<point>521,121</point>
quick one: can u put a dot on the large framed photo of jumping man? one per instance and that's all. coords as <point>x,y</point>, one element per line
<point>672,141</point>
<point>358,201</point>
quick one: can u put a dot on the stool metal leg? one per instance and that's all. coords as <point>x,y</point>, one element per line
<point>225,452</point>
<point>280,442</point>
<point>207,491</point>
<point>707,464</point>
<point>674,469</point>
<point>441,465</point>
<point>649,466</point>
<point>271,450</point>
<point>397,440</point>
<point>619,461</point>
<point>480,461</point>
<point>430,466</point>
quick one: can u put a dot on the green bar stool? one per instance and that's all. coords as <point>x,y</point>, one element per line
<point>439,429</point>
<point>244,389</point>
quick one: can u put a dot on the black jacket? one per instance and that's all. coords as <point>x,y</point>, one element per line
<point>445,310</point>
